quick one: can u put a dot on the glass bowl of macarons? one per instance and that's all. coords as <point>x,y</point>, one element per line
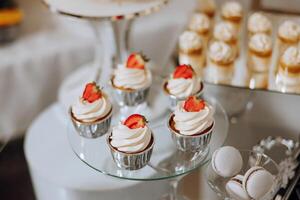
<point>243,174</point>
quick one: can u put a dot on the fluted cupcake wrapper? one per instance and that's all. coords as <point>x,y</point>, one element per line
<point>193,143</point>
<point>93,129</point>
<point>131,161</point>
<point>131,98</point>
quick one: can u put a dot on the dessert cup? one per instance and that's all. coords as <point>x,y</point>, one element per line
<point>232,12</point>
<point>130,97</point>
<point>191,143</point>
<point>131,161</point>
<point>259,23</point>
<point>259,62</point>
<point>219,73</point>
<point>258,80</point>
<point>207,7</point>
<point>93,129</point>
<point>191,51</point>
<point>173,100</point>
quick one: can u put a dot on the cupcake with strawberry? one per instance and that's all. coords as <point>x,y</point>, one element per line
<point>131,143</point>
<point>91,113</point>
<point>191,124</point>
<point>182,83</point>
<point>131,81</point>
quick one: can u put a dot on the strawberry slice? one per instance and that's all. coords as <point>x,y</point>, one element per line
<point>135,121</point>
<point>136,61</point>
<point>91,92</point>
<point>192,104</point>
<point>183,71</point>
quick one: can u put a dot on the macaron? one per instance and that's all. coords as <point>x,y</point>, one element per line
<point>257,182</point>
<point>235,190</point>
<point>227,161</point>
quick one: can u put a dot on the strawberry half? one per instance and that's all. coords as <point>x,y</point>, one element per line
<point>136,61</point>
<point>192,104</point>
<point>91,92</point>
<point>183,71</point>
<point>135,121</point>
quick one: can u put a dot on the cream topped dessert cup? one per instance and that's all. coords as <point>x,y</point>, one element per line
<point>130,97</point>
<point>198,142</point>
<point>92,129</point>
<point>191,51</point>
<point>221,60</point>
<point>288,35</point>
<point>173,100</point>
<point>259,23</point>
<point>200,23</point>
<point>208,7</point>
<point>288,75</point>
<point>225,32</point>
<point>131,161</point>
<point>232,12</point>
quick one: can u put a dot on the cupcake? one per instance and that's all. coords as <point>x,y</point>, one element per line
<point>225,32</point>
<point>259,59</point>
<point>259,23</point>
<point>131,81</point>
<point>288,35</point>
<point>191,125</point>
<point>288,75</point>
<point>220,63</point>
<point>200,24</point>
<point>91,113</point>
<point>131,143</point>
<point>232,12</point>
<point>191,51</point>
<point>182,84</point>
<point>10,17</point>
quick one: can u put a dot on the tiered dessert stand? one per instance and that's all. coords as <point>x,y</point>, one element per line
<point>166,162</point>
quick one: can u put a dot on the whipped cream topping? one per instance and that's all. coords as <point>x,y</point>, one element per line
<point>225,32</point>
<point>199,23</point>
<point>190,41</point>
<point>182,88</point>
<point>289,30</point>
<point>221,52</point>
<point>261,42</point>
<point>232,9</point>
<point>129,78</point>
<point>89,112</point>
<point>191,123</point>
<point>130,140</point>
<point>291,57</point>
<point>259,23</point>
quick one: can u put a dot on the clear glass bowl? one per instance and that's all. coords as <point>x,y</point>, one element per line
<point>218,183</point>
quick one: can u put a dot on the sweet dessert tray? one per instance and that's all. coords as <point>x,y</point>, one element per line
<point>237,47</point>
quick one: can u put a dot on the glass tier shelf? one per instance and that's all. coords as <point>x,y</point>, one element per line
<point>166,161</point>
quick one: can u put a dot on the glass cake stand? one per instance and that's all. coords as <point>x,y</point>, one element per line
<point>166,161</point>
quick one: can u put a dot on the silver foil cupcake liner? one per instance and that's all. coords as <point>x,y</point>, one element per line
<point>174,100</point>
<point>131,98</point>
<point>191,143</point>
<point>131,161</point>
<point>92,129</point>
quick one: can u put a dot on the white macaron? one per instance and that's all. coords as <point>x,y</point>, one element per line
<point>257,182</point>
<point>234,188</point>
<point>227,161</point>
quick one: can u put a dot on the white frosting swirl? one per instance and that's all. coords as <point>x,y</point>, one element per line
<point>225,32</point>
<point>291,57</point>
<point>259,23</point>
<point>129,78</point>
<point>261,42</point>
<point>199,23</point>
<point>190,41</point>
<point>191,123</point>
<point>289,30</point>
<point>220,52</point>
<point>130,140</point>
<point>182,88</point>
<point>90,112</point>
<point>232,9</point>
